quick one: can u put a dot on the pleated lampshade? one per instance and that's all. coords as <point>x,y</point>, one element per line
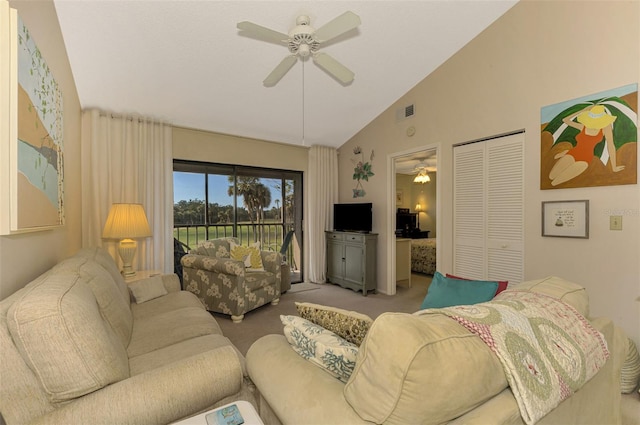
<point>126,221</point>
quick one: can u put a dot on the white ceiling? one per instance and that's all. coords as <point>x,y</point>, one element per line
<point>413,163</point>
<point>184,62</point>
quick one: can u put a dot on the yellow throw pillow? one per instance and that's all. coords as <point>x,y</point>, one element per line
<point>249,255</point>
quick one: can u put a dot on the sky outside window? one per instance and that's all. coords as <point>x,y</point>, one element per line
<point>190,186</point>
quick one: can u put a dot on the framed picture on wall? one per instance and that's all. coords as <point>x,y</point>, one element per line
<point>591,140</point>
<point>566,219</point>
<point>31,168</point>
<point>399,197</point>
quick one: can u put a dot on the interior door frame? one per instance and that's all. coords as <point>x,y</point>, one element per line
<point>391,210</point>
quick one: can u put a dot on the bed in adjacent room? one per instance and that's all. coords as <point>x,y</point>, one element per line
<point>423,255</point>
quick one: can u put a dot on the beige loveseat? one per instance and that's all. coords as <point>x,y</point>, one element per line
<point>75,349</point>
<point>226,285</point>
<point>426,369</point>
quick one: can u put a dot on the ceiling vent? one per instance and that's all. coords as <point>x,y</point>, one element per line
<point>404,113</point>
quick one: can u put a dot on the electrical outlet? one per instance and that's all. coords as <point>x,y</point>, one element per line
<point>615,222</point>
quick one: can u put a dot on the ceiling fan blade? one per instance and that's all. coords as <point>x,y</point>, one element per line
<point>283,67</point>
<point>262,33</point>
<point>338,26</point>
<point>333,67</point>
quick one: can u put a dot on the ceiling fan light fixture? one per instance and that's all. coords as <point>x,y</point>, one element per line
<point>303,50</point>
<point>422,177</point>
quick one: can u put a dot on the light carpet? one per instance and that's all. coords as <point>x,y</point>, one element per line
<point>266,319</point>
<point>303,286</point>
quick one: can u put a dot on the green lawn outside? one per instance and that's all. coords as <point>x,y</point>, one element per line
<point>272,238</point>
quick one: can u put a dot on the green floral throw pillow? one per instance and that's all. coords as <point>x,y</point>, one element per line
<point>350,325</point>
<point>320,346</point>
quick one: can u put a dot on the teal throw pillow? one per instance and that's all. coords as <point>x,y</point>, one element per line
<point>446,292</point>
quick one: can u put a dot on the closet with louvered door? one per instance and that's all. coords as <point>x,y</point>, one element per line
<point>488,204</point>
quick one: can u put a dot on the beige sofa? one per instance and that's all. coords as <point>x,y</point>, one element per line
<point>425,369</point>
<point>77,348</point>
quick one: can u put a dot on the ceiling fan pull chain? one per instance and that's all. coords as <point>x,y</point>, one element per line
<point>303,103</point>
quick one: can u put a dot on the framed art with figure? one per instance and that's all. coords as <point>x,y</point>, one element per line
<point>590,141</point>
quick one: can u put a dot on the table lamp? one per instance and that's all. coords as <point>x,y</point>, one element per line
<point>127,222</point>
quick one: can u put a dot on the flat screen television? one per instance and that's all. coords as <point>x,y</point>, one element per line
<point>356,217</point>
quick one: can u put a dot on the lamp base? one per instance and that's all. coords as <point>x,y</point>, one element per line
<point>127,250</point>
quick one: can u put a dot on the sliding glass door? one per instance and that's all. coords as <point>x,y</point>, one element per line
<point>252,204</point>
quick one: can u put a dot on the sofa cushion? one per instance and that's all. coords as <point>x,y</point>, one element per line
<point>350,325</point>
<point>217,248</point>
<point>564,290</point>
<point>147,289</point>
<point>179,351</point>
<point>164,329</point>
<point>320,346</point>
<point>502,284</point>
<point>446,292</point>
<point>114,307</point>
<point>103,258</point>
<point>59,331</point>
<point>171,301</point>
<point>421,369</point>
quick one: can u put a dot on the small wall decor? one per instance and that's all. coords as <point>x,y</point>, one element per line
<point>32,176</point>
<point>590,141</point>
<point>362,171</point>
<point>399,197</point>
<point>566,219</point>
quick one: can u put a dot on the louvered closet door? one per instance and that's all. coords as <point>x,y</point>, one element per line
<point>469,211</point>
<point>489,209</point>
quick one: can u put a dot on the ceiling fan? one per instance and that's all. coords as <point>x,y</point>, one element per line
<point>303,41</point>
<point>422,168</point>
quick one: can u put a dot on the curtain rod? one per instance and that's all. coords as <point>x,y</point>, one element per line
<point>129,117</point>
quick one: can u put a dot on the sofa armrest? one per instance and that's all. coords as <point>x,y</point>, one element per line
<point>213,264</point>
<point>295,388</point>
<point>159,396</point>
<point>271,261</point>
<point>171,282</point>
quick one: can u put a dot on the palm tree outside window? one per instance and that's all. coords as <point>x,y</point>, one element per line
<point>249,203</point>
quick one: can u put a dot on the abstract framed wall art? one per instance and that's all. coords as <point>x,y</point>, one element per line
<point>590,141</point>
<point>32,176</point>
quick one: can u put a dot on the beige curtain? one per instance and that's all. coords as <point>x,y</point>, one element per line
<point>323,193</point>
<point>128,159</point>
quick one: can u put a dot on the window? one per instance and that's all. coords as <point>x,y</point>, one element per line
<point>249,203</point>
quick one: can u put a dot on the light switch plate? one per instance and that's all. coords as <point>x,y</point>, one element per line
<point>615,222</point>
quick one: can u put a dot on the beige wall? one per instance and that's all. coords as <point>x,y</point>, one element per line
<point>539,53</point>
<point>197,145</point>
<point>24,257</point>
<point>404,183</point>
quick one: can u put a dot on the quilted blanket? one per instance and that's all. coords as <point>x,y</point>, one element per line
<point>547,349</point>
<point>423,255</point>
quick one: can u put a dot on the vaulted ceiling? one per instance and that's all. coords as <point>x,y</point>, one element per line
<point>185,62</point>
